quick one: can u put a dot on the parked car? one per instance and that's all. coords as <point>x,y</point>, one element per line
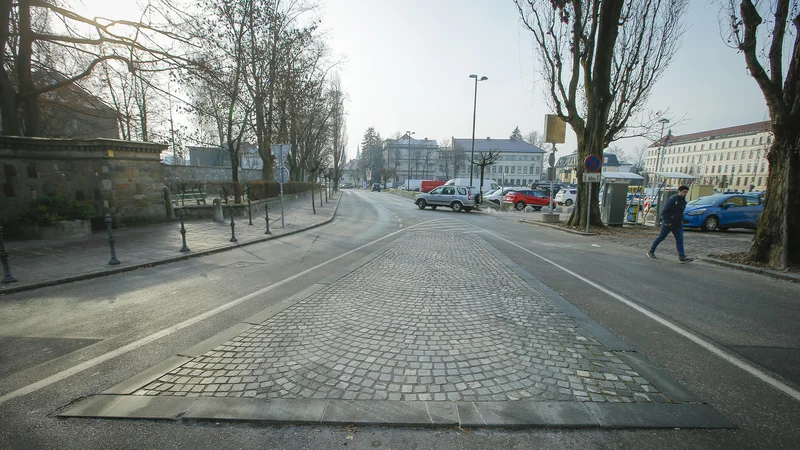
<point>522,198</point>
<point>720,212</point>
<point>488,184</point>
<point>496,196</point>
<point>428,185</point>
<point>459,198</point>
<point>566,196</point>
<point>376,187</point>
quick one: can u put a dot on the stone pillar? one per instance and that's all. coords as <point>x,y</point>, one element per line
<point>218,211</point>
<point>168,201</point>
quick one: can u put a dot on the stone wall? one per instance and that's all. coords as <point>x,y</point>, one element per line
<point>120,178</point>
<point>176,175</point>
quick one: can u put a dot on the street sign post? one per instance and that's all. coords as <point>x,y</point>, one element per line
<point>282,173</point>
<point>593,164</point>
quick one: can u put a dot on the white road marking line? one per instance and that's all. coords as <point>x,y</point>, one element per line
<point>777,384</point>
<point>33,387</point>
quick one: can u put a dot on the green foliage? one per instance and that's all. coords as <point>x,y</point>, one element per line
<point>50,210</point>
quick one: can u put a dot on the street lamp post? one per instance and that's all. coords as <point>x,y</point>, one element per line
<point>408,157</point>
<point>474,110</point>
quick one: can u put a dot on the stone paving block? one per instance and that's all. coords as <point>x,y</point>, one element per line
<point>525,413</point>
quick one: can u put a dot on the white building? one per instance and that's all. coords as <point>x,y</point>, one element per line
<point>409,158</point>
<point>733,157</point>
<point>520,163</point>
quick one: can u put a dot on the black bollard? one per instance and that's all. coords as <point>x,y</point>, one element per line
<point>113,261</point>
<point>183,234</point>
<point>233,225</point>
<point>249,213</point>
<point>266,208</point>
<point>7,277</point>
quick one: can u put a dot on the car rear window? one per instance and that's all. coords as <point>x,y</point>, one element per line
<point>462,191</point>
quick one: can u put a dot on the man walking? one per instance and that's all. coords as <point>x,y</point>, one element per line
<point>672,221</point>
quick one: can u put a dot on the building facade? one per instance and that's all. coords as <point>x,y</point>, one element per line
<point>520,163</point>
<point>732,158</point>
<point>411,159</point>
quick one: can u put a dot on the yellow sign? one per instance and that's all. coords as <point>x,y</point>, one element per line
<point>555,129</point>
<point>110,153</point>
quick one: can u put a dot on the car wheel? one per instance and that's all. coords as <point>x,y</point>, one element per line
<point>433,206</point>
<point>496,202</point>
<point>568,202</point>
<point>710,224</point>
<point>421,203</point>
<point>456,206</point>
<point>519,206</point>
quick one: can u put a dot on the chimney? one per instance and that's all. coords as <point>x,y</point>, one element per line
<point>487,138</point>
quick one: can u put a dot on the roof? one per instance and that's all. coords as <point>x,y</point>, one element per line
<point>622,175</point>
<point>679,175</point>
<point>405,141</point>
<point>739,130</point>
<point>503,145</point>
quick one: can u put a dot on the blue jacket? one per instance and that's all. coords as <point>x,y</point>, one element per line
<point>673,210</point>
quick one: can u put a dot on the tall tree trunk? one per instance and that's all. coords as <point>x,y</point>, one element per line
<point>777,239</point>
<point>30,109</point>
<point>8,97</point>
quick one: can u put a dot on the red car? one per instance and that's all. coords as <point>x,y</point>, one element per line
<point>521,199</point>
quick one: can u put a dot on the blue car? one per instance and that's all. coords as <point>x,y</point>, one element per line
<point>723,211</point>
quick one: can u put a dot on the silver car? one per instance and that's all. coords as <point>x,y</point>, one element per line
<point>459,198</point>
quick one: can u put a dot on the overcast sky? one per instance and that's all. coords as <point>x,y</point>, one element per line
<point>408,63</point>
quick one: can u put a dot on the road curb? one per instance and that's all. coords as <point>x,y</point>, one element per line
<point>752,269</point>
<point>556,227</point>
<point>88,276</point>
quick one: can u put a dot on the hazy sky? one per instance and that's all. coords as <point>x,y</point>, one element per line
<point>407,66</point>
<point>408,63</point>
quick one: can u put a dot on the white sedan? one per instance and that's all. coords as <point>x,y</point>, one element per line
<point>496,196</point>
<point>567,196</point>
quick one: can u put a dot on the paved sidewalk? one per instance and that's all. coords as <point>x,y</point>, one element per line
<point>42,263</point>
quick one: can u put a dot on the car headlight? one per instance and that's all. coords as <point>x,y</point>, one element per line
<point>696,212</point>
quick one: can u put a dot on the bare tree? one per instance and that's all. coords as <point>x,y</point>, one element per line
<point>589,49</point>
<point>27,43</point>
<point>777,239</point>
<point>485,159</point>
<point>535,138</point>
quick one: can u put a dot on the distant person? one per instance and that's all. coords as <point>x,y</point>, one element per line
<point>752,186</point>
<point>672,222</point>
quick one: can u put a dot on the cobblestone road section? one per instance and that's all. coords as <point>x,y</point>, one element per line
<point>436,318</point>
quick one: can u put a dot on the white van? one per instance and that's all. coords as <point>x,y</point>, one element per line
<point>488,185</point>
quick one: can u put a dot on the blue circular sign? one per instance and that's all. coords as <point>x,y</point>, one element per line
<point>592,163</point>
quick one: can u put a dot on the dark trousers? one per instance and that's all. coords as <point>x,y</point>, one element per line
<point>677,231</point>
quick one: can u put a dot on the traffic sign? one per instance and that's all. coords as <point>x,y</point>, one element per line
<point>280,151</point>
<point>281,174</point>
<point>592,163</point>
<point>591,177</point>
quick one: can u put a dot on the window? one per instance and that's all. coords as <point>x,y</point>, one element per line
<point>761,140</point>
<point>525,170</point>
<point>769,139</point>
<point>745,181</point>
<point>730,144</point>
<point>719,168</point>
<point>735,154</point>
<point>462,191</point>
<point>726,168</point>
<point>751,154</point>
<point>728,156</point>
<point>699,159</point>
<point>735,201</point>
<point>741,168</point>
<point>745,142</point>
<point>750,200</point>
<point>712,171</point>
<point>723,144</point>
<point>537,171</point>
<point>715,156</point>
<point>763,167</point>
<point>759,181</point>
<point>737,142</point>
<point>716,145</point>
<point>748,168</point>
<point>707,169</point>
<point>514,170</point>
<point>738,180</point>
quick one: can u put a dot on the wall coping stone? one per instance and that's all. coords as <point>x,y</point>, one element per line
<point>34,143</point>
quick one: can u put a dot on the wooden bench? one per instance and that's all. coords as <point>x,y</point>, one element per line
<point>192,195</point>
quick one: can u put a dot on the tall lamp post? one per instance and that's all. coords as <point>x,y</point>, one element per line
<point>408,157</point>
<point>474,110</point>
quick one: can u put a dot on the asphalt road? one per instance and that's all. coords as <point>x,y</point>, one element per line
<point>731,337</point>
